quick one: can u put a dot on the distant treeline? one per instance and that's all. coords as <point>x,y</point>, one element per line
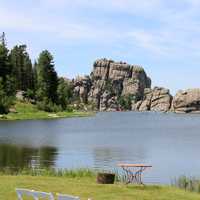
<point>39,81</point>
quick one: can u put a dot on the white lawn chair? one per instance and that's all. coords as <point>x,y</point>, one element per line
<point>35,194</point>
<point>66,197</point>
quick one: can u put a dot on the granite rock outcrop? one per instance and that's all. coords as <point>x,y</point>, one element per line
<point>157,99</point>
<point>187,101</point>
<point>110,81</point>
<point>114,86</point>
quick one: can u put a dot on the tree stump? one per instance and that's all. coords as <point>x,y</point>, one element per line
<point>105,178</point>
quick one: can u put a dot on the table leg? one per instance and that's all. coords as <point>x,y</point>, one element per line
<point>133,176</point>
<point>138,175</point>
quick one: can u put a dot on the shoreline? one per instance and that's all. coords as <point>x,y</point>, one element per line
<point>65,115</point>
<point>27,111</point>
<point>41,115</point>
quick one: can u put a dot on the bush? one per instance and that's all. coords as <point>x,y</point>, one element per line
<point>69,108</point>
<point>48,106</point>
<point>5,104</point>
<point>126,101</point>
<point>29,94</point>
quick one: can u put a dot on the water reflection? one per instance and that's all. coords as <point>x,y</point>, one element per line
<point>19,157</point>
<point>109,157</point>
<point>169,142</point>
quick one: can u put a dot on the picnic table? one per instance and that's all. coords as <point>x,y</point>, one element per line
<point>133,172</point>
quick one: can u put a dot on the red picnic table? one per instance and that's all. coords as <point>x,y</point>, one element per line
<point>133,172</point>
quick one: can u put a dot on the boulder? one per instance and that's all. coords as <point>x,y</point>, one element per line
<point>20,95</point>
<point>158,99</point>
<point>161,100</point>
<point>12,110</point>
<point>187,101</point>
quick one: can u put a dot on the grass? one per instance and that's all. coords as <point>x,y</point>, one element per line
<point>26,111</point>
<point>82,183</point>
<point>70,173</point>
<point>86,187</point>
<point>191,184</point>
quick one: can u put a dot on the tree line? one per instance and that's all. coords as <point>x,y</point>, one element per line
<point>39,81</point>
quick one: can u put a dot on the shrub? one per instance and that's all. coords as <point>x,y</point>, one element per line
<point>5,103</point>
<point>108,86</point>
<point>138,69</point>
<point>126,101</point>
<point>48,106</point>
<point>29,94</point>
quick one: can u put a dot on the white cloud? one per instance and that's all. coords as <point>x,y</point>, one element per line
<point>60,28</point>
<point>175,29</point>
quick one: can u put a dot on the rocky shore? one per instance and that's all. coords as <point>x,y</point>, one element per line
<point>115,86</point>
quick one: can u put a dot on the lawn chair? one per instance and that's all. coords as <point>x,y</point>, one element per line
<point>36,195</point>
<point>66,197</point>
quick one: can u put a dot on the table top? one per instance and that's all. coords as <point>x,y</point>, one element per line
<point>133,165</point>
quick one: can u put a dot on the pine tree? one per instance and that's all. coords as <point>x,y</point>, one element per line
<point>5,101</point>
<point>47,79</point>
<point>7,79</point>
<point>5,68</point>
<point>64,93</point>
<point>3,39</point>
<point>22,68</point>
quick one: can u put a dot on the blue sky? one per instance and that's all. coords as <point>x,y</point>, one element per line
<point>162,36</point>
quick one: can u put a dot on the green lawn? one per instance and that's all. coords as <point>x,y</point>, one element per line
<point>30,111</point>
<point>86,187</point>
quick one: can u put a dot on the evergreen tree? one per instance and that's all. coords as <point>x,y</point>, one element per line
<point>22,68</point>
<point>5,68</point>
<point>64,93</point>
<point>6,77</point>
<point>10,86</point>
<point>5,101</point>
<point>35,75</point>
<point>47,79</point>
<point>39,82</point>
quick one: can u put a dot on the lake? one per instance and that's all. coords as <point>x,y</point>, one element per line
<point>169,142</point>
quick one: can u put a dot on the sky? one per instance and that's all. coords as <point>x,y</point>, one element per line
<point>162,36</point>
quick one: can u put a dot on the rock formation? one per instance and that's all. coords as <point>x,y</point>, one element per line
<point>187,101</point>
<point>114,86</point>
<point>110,81</point>
<point>157,99</point>
<point>81,87</point>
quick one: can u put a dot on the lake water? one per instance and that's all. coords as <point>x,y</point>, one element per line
<point>169,142</point>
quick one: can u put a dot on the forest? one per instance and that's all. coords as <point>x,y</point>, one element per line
<point>38,81</point>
